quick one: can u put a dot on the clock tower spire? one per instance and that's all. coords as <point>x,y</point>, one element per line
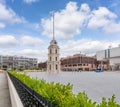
<point>53,63</point>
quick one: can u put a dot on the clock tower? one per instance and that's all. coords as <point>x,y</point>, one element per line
<point>53,63</point>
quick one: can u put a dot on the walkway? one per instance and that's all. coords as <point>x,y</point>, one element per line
<point>4,91</point>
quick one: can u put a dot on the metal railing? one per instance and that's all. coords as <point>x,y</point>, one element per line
<point>28,96</point>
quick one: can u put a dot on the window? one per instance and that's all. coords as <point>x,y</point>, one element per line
<point>50,59</point>
<point>92,65</point>
<point>56,67</point>
<point>74,65</point>
<point>50,67</point>
<point>56,51</point>
<point>56,58</point>
<point>79,64</point>
<point>50,51</point>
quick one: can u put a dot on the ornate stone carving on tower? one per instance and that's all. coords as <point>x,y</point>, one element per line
<point>53,63</point>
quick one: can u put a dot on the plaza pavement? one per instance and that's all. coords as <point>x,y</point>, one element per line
<point>4,91</point>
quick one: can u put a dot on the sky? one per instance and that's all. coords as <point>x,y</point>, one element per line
<point>81,26</point>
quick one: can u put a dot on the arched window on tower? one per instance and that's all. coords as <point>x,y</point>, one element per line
<point>56,66</point>
<point>55,58</point>
<point>56,51</point>
<point>50,51</point>
<point>50,59</point>
<point>50,67</point>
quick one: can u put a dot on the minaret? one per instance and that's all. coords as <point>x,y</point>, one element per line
<point>53,63</point>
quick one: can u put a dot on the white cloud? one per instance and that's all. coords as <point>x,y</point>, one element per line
<point>2,25</point>
<point>30,1</point>
<point>68,22</point>
<point>31,41</point>
<point>36,26</point>
<point>85,8</point>
<point>40,54</point>
<point>8,16</point>
<point>29,52</point>
<point>101,18</point>
<point>87,46</point>
<point>7,41</point>
<point>71,20</point>
<point>104,19</point>
<point>112,28</point>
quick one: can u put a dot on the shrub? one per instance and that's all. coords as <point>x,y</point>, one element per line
<point>61,95</point>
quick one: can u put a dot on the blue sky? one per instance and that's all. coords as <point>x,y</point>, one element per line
<point>84,26</point>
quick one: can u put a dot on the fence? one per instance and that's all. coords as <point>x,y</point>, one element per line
<point>28,96</point>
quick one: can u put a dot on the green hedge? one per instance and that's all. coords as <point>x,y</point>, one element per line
<point>62,95</point>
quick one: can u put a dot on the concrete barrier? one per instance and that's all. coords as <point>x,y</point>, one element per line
<point>15,100</point>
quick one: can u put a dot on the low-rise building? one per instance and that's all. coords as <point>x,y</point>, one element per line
<point>102,64</point>
<point>78,62</point>
<point>42,65</point>
<point>10,62</point>
<point>111,54</point>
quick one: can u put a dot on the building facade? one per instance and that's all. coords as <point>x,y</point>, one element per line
<point>103,64</point>
<point>42,65</point>
<point>111,54</point>
<point>53,63</point>
<point>78,62</point>
<point>10,62</point>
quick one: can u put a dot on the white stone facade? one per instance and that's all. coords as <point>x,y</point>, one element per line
<point>53,63</point>
<point>113,55</point>
<point>10,62</point>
